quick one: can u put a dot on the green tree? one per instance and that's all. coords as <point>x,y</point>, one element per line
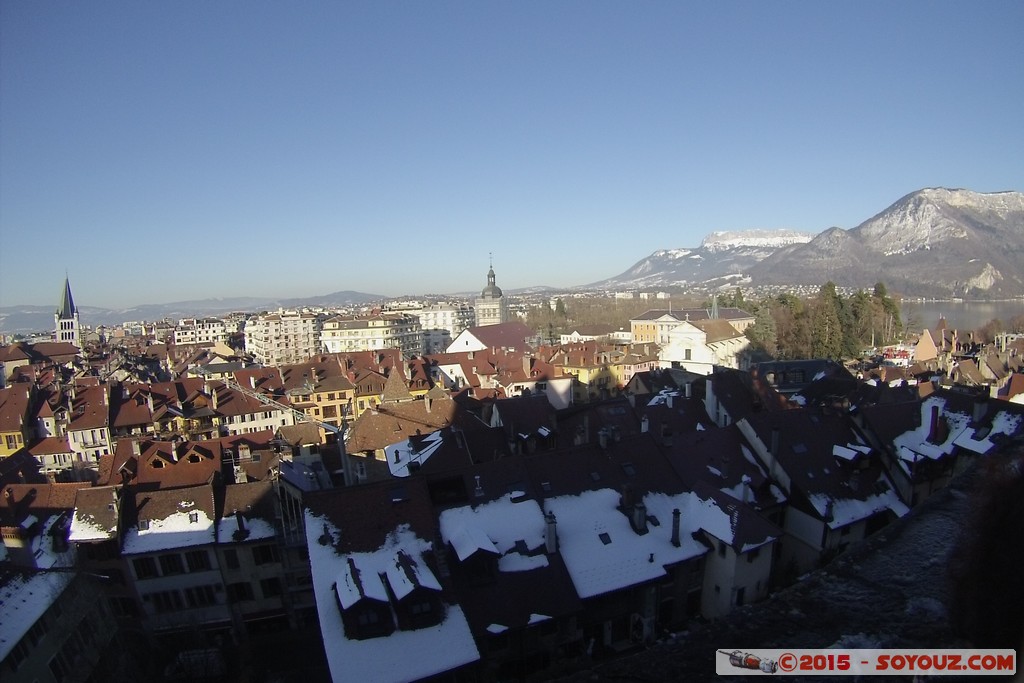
<point>826,324</point>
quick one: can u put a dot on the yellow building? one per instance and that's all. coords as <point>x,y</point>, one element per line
<point>15,429</point>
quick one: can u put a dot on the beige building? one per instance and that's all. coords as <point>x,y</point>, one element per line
<point>350,333</point>
<point>283,337</point>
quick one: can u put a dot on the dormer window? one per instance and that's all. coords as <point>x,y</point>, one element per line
<point>193,517</point>
<point>143,525</point>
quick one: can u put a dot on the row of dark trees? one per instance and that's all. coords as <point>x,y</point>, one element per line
<point>827,325</point>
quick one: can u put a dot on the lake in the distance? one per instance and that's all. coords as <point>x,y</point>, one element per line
<point>960,315</point>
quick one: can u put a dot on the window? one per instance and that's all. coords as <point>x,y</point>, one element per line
<point>238,592</point>
<point>270,587</point>
<point>231,558</point>
<point>145,567</point>
<point>265,554</point>
<point>171,564</point>
<point>367,618</point>
<point>166,601</point>
<point>422,607</point>
<point>200,596</point>
<point>197,560</point>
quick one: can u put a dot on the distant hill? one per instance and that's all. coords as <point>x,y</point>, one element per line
<point>934,242</point>
<point>26,319</point>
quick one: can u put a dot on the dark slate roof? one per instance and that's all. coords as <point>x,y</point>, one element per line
<point>67,308</point>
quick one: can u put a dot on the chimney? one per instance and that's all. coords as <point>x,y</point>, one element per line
<point>675,527</point>
<point>136,449</point>
<point>551,534</point>
<point>645,424</point>
<point>639,518</point>
<point>688,389</point>
<point>602,437</point>
<point>240,520</point>
<point>426,402</point>
<point>937,429</point>
<point>626,497</point>
<point>748,492</point>
<point>244,452</point>
<point>149,401</point>
<point>478,491</point>
<point>213,397</point>
<point>670,398</point>
<point>980,408</point>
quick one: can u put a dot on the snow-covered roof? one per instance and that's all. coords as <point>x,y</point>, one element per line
<point>1003,423</point>
<point>500,526</point>
<point>257,528</point>
<point>627,558</point>
<point>24,598</point>
<point>849,510</point>
<point>95,515</point>
<point>188,526</point>
<point>913,444</point>
<point>402,655</point>
<point>414,449</point>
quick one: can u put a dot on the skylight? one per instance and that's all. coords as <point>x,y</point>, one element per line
<point>605,538</point>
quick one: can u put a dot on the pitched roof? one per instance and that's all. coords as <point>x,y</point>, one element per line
<point>66,309</point>
<point>510,335</point>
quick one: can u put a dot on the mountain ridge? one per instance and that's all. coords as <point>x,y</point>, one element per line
<point>931,242</point>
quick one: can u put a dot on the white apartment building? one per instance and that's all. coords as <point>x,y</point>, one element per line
<point>200,331</point>
<point>284,337</point>
<point>350,333</point>
<point>440,322</point>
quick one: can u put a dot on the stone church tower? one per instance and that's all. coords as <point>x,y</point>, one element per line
<point>491,306</point>
<point>67,327</point>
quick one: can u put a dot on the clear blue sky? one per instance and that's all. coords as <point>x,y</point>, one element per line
<point>160,151</point>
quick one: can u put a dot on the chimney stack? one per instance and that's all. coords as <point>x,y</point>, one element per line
<point>551,534</point>
<point>639,518</point>
<point>748,492</point>
<point>670,398</point>
<point>645,424</point>
<point>675,526</point>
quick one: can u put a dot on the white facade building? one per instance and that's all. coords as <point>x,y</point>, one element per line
<point>440,323</point>
<point>200,331</point>
<point>283,337</point>
<point>348,334</point>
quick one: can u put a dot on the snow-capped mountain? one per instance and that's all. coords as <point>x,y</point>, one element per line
<point>769,240</point>
<point>725,256</point>
<point>933,242</point>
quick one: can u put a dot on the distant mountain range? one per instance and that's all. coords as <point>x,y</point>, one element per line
<point>24,319</point>
<point>934,242</point>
